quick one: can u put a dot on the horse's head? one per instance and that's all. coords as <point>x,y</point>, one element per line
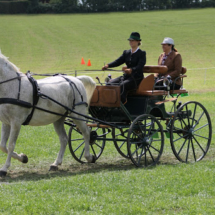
<point>6,67</point>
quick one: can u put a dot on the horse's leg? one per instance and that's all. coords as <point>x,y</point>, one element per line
<point>86,134</point>
<point>13,135</point>
<point>60,130</point>
<point>5,132</point>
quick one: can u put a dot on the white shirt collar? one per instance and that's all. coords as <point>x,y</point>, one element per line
<point>135,50</point>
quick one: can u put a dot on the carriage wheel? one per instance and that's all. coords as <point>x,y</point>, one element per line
<point>77,144</point>
<point>190,132</point>
<point>145,140</point>
<point>120,141</point>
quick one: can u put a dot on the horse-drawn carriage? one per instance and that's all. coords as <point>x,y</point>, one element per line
<point>137,128</point>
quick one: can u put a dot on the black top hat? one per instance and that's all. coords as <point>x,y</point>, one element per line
<point>134,36</point>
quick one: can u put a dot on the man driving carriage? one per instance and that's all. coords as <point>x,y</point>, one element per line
<point>135,59</point>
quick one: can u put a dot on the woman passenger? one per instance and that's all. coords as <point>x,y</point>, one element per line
<point>172,59</point>
<point>135,60</point>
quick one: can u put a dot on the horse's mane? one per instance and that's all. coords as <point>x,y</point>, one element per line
<point>16,69</point>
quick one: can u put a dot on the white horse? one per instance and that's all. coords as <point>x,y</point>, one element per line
<point>56,87</point>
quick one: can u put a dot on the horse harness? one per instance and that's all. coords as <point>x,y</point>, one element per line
<point>15,101</point>
<point>37,94</point>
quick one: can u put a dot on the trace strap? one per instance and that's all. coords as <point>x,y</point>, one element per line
<point>15,102</point>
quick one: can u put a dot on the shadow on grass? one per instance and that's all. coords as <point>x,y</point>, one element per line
<point>69,171</point>
<point>74,169</point>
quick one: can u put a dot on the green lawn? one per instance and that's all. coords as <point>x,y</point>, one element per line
<point>56,43</point>
<point>53,43</point>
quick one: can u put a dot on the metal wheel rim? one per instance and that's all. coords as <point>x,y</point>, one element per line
<point>81,158</point>
<point>121,147</point>
<point>152,151</point>
<point>188,148</point>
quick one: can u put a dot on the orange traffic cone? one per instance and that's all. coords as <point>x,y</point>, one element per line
<point>89,63</point>
<point>82,61</point>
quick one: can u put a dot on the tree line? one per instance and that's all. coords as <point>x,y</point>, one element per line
<point>86,6</point>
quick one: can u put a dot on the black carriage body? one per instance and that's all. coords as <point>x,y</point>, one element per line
<point>109,114</point>
<point>135,106</point>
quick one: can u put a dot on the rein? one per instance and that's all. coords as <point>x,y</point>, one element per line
<point>48,74</point>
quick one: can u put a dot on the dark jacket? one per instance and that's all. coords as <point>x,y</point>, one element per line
<point>134,61</point>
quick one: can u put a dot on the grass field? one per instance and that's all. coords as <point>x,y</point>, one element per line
<point>56,43</point>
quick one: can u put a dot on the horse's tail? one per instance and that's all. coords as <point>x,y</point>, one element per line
<point>89,85</point>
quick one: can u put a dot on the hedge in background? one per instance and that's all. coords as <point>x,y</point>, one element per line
<point>75,6</point>
<point>13,7</point>
<point>85,6</point>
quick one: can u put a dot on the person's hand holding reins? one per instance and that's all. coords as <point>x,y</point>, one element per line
<point>126,70</point>
<point>105,67</point>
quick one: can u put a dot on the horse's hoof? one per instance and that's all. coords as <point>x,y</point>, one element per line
<point>94,159</point>
<point>53,168</point>
<point>3,173</point>
<point>24,158</point>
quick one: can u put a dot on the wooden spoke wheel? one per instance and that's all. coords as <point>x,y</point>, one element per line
<point>77,144</point>
<point>190,132</point>
<point>145,141</point>
<point>120,141</point>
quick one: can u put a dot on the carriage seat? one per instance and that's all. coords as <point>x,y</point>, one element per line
<point>145,87</point>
